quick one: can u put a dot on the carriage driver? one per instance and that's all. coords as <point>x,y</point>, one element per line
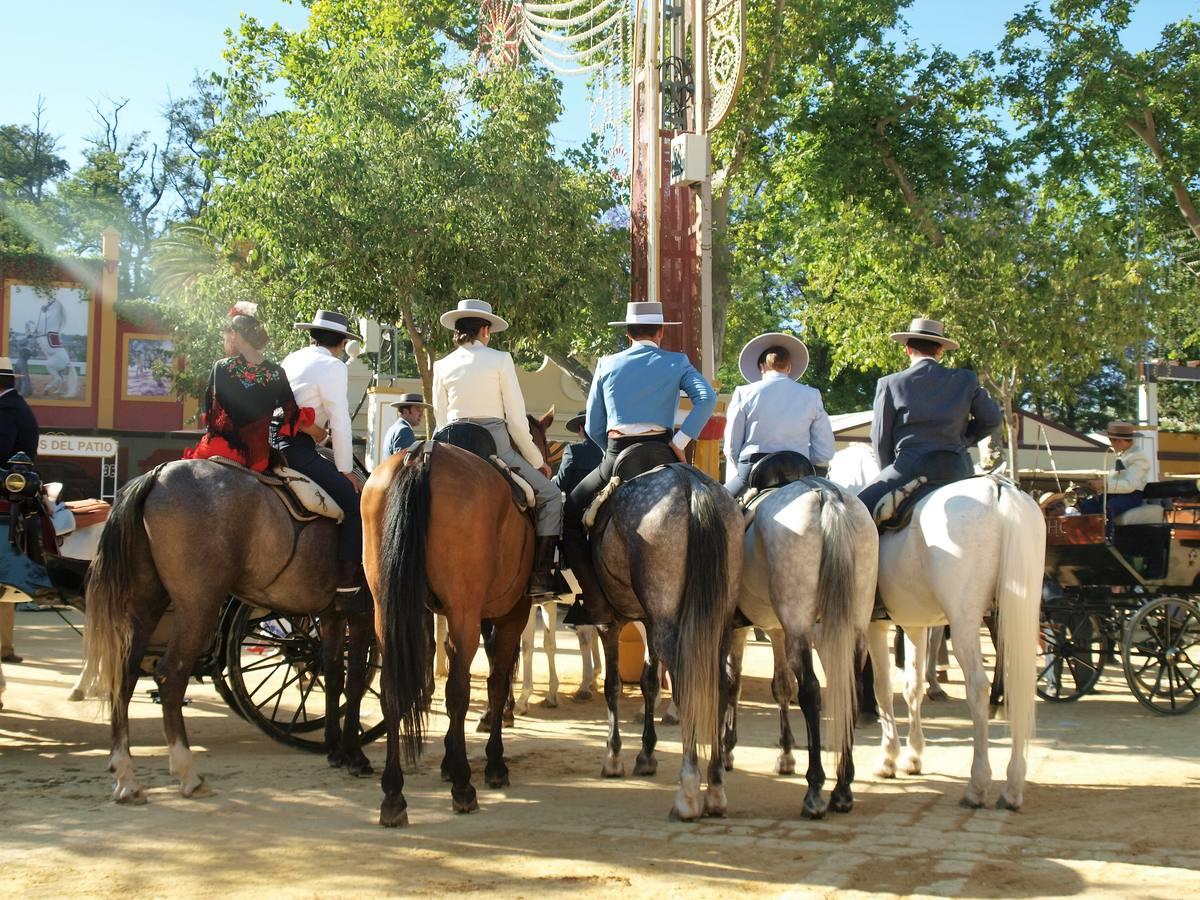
<point>632,399</point>
<point>321,382</point>
<point>1120,490</point>
<point>478,384</point>
<point>774,411</point>
<point>927,407</point>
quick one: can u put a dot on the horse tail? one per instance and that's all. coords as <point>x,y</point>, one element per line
<point>1019,597</point>
<point>840,638</point>
<point>109,632</point>
<point>403,596</point>
<point>703,618</point>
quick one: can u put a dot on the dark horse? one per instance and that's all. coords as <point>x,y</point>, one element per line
<point>440,531</point>
<point>191,533</point>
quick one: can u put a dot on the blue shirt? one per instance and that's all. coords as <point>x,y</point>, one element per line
<point>640,386</point>
<point>399,437</point>
<point>778,414</point>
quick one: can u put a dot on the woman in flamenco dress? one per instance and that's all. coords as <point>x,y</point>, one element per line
<point>244,391</point>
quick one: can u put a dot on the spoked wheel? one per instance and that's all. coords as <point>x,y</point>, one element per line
<point>1161,648</point>
<point>273,667</point>
<point>1072,655</point>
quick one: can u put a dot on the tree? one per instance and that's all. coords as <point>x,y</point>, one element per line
<point>30,217</point>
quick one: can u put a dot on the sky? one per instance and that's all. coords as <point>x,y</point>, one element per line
<point>77,53</point>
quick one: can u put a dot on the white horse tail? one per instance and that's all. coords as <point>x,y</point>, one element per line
<point>840,639</point>
<point>1019,599</point>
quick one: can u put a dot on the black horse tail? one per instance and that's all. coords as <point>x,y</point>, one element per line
<point>403,596</point>
<point>109,630</point>
<point>703,616</point>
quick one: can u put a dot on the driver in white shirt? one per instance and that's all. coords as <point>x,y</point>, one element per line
<point>478,384</point>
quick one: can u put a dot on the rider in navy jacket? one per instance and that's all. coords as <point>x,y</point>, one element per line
<point>18,427</point>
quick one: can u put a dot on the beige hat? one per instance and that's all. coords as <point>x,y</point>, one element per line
<point>925,330</point>
<point>473,309</point>
<point>1122,430</point>
<point>748,358</point>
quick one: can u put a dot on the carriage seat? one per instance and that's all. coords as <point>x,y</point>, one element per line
<point>1146,514</point>
<point>302,497</point>
<point>477,440</point>
<point>633,462</point>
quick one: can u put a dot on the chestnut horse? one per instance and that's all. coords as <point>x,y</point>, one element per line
<point>441,532</point>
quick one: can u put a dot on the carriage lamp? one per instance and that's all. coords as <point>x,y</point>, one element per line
<point>21,480</point>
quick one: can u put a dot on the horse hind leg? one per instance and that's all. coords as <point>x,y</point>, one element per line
<point>783,689</point>
<point>589,654</point>
<point>970,658</point>
<point>126,788</point>
<point>361,629</point>
<point>333,635</point>
<point>612,766</point>
<point>464,641</point>
<point>527,636</point>
<point>733,660</point>
<point>195,623</point>
<point>550,645</point>
<point>647,762</point>
<point>799,652</point>
<point>881,667</point>
<point>916,646</point>
<point>715,801</point>
<point>508,638</point>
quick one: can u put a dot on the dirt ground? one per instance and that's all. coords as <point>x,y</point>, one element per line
<point>1112,808</point>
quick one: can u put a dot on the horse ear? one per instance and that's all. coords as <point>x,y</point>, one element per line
<point>547,420</point>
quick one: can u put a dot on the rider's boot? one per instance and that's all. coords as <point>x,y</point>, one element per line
<point>541,582</point>
<point>595,609</point>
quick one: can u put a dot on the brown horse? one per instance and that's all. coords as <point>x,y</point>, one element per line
<point>191,533</point>
<point>440,531</point>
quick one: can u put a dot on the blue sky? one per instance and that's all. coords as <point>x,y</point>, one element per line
<point>73,53</point>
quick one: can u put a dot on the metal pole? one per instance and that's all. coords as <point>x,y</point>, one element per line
<point>708,357</point>
<point>654,9</point>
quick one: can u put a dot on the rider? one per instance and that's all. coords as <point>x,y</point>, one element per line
<point>18,434</point>
<point>927,407</point>
<point>578,459</point>
<point>411,408</point>
<point>321,382</point>
<point>479,385</point>
<point>1124,483</point>
<point>244,390</point>
<point>633,398</point>
<point>774,411</point>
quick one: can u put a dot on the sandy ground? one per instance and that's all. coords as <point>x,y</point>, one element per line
<point>1112,808</point>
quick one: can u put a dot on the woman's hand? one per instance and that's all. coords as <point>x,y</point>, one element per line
<point>316,432</point>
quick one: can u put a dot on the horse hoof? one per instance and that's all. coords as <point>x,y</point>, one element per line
<point>336,760</point>
<point>840,804</point>
<point>1004,803</point>
<point>715,803</point>
<point>507,721</point>
<point>125,796</point>
<point>785,765</point>
<point>727,762</point>
<point>937,695</point>
<point>581,696</point>
<point>197,791</point>
<point>676,816</point>
<point>613,769</point>
<point>75,696</point>
<point>910,764</point>
<point>550,703</point>
<point>645,765</point>
<point>484,726</point>
<point>361,768</point>
<point>968,803</point>
<point>496,780</point>
<point>393,818</point>
<point>470,805</point>
<point>670,719</point>
<point>521,709</point>
<point>994,710</point>
<point>812,810</point>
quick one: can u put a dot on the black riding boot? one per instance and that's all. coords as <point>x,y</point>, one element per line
<point>595,609</point>
<point>541,582</point>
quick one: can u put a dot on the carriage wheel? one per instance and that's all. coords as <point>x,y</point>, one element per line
<point>273,666</point>
<point>1072,655</point>
<point>1161,647</point>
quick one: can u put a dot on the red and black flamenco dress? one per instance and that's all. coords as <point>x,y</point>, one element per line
<point>239,404</point>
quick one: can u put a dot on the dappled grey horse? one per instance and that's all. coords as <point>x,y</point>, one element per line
<point>671,554</point>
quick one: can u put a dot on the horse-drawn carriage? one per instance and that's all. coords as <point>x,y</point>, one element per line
<point>265,665</point>
<point>1131,590</point>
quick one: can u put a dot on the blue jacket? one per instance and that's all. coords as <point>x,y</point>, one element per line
<point>640,386</point>
<point>399,437</point>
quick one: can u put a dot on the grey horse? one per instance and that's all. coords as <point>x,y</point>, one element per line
<point>671,555</point>
<point>810,556</point>
<point>190,533</point>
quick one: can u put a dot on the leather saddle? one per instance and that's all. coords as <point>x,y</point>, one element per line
<point>302,497</point>
<point>478,440</point>
<point>935,469</point>
<point>633,462</point>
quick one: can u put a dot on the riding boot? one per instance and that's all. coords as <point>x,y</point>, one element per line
<point>595,609</point>
<point>541,582</point>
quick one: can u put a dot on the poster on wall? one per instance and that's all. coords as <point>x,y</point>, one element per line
<point>149,364</point>
<point>49,341</point>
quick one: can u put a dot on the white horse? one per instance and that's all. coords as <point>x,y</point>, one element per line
<point>809,556</point>
<point>971,546</point>
<point>589,652</point>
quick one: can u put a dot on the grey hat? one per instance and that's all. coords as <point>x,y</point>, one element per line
<point>576,421</point>
<point>326,320</point>
<point>1122,430</point>
<point>925,330</point>
<point>748,358</point>
<point>644,314</point>
<point>410,400</point>
<point>473,309</point>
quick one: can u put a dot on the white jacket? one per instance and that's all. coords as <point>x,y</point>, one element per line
<point>1132,473</point>
<point>477,382</point>
<point>323,383</point>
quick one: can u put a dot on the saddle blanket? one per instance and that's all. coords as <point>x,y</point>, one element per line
<point>301,496</point>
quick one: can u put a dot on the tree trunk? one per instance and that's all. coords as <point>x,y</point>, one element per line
<point>420,352</point>
<point>1147,131</point>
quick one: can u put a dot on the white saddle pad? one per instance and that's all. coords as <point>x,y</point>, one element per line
<point>309,493</point>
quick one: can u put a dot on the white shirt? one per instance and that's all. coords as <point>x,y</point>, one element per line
<point>323,383</point>
<point>477,382</point>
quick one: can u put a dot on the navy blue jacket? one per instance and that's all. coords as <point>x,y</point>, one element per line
<point>578,460</point>
<point>18,427</point>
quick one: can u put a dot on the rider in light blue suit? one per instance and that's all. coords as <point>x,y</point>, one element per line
<point>633,399</point>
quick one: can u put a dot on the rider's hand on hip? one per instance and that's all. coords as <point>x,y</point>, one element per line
<point>355,481</point>
<point>679,452</point>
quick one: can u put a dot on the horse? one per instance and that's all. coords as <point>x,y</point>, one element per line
<point>441,532</point>
<point>190,533</point>
<point>971,545</point>
<point>589,652</point>
<point>810,555</point>
<point>683,582</point>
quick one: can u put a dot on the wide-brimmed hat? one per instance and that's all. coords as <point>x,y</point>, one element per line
<point>1123,430</point>
<point>748,358</point>
<point>644,314</point>
<point>410,400</point>
<point>473,309</point>
<point>6,366</point>
<point>576,421</point>
<point>925,330</point>
<point>327,320</point>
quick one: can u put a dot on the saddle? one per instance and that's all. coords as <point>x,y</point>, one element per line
<point>302,497</point>
<point>633,462</point>
<point>772,471</point>
<point>936,469</point>
<point>477,440</point>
